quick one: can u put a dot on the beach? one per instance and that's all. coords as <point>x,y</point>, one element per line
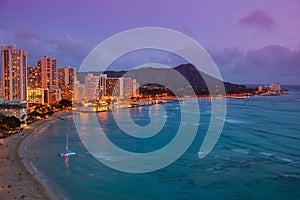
<point>18,179</point>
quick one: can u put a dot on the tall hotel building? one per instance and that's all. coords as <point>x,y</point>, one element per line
<point>66,76</point>
<point>92,87</point>
<point>32,76</point>
<point>47,78</point>
<point>35,94</point>
<point>121,87</point>
<point>66,81</point>
<point>14,73</point>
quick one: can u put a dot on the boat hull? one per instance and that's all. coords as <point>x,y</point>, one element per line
<point>68,153</point>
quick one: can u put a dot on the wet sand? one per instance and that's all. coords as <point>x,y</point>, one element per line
<point>17,178</point>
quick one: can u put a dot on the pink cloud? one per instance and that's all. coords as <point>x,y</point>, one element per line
<point>67,50</point>
<point>267,64</point>
<point>258,18</point>
<point>25,33</point>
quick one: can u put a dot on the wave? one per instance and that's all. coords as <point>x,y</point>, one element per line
<point>279,158</point>
<point>284,159</point>
<point>234,121</point>
<point>243,151</point>
<point>90,174</point>
<point>291,175</point>
<point>42,129</point>
<point>267,133</point>
<point>51,185</point>
<point>266,154</point>
<point>101,156</point>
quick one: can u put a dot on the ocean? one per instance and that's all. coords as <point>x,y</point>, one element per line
<point>256,157</point>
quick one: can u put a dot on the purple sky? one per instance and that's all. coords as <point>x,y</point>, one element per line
<point>255,41</point>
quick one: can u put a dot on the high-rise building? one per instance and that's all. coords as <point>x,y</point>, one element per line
<point>66,76</point>
<point>66,81</point>
<point>121,87</point>
<point>14,73</point>
<point>102,85</point>
<point>72,76</point>
<point>38,96</point>
<point>47,77</point>
<point>91,87</point>
<point>129,87</point>
<point>79,89</point>
<point>35,94</point>
<point>1,89</point>
<point>32,77</point>
<point>112,87</point>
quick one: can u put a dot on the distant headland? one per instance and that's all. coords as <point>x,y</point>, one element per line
<point>195,78</point>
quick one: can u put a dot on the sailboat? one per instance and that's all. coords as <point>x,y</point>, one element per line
<point>67,152</point>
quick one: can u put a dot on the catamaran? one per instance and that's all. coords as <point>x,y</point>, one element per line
<point>67,152</point>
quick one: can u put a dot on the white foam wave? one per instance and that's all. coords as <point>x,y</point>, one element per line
<point>243,151</point>
<point>289,175</point>
<point>42,129</point>
<point>234,121</point>
<point>266,154</point>
<point>209,169</point>
<point>284,159</point>
<point>91,174</point>
<point>104,157</point>
<point>277,157</point>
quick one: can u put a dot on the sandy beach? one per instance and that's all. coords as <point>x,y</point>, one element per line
<point>17,178</point>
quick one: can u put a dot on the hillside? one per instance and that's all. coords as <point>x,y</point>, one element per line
<point>172,79</point>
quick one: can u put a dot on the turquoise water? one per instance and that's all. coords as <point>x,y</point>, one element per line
<point>256,157</point>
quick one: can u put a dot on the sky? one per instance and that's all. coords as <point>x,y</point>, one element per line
<point>252,42</point>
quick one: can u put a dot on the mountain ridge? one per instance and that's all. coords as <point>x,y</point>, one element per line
<point>195,78</point>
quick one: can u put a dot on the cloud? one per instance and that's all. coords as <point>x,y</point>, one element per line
<point>272,63</point>
<point>259,19</point>
<point>226,56</point>
<point>275,59</point>
<point>26,33</point>
<point>71,50</point>
<point>67,50</point>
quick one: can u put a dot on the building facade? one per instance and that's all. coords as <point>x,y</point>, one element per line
<point>66,76</point>
<point>38,96</point>
<point>47,77</point>
<point>91,87</point>
<point>66,81</point>
<point>14,73</point>
<point>79,89</point>
<point>121,87</point>
<point>32,75</point>
<point>14,108</point>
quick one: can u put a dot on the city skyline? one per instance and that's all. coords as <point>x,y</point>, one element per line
<point>256,43</point>
<point>46,84</point>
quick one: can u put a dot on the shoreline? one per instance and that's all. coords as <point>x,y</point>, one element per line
<point>18,178</point>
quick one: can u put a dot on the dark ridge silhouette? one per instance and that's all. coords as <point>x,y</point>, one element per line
<point>166,77</point>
